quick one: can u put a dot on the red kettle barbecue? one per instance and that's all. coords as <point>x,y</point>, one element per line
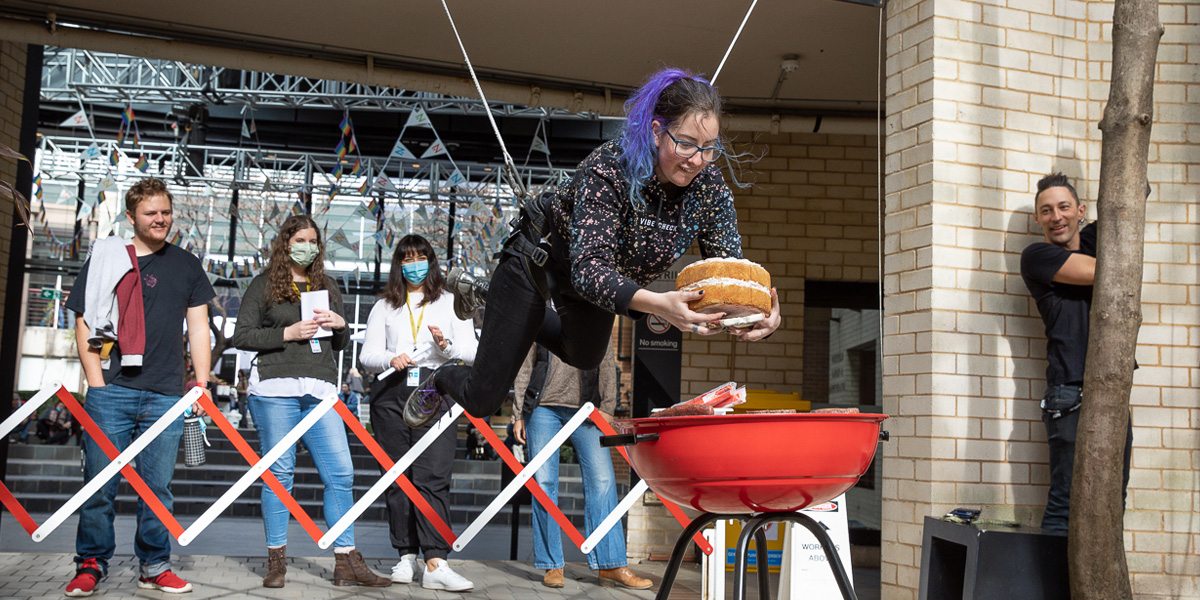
<point>733,465</point>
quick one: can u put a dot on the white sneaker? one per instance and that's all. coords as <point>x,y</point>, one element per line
<point>444,578</point>
<point>405,569</point>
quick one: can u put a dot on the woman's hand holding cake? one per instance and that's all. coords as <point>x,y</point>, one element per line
<point>731,288</point>
<point>763,328</point>
<point>675,308</point>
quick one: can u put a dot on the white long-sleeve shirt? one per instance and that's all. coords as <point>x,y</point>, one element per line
<point>390,333</point>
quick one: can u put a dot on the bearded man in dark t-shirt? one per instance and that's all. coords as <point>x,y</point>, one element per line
<point>1059,273</point>
<point>140,382</point>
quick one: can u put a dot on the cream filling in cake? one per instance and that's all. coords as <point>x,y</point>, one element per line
<point>713,260</point>
<point>711,281</point>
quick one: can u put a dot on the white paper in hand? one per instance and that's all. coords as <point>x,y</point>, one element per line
<point>310,302</point>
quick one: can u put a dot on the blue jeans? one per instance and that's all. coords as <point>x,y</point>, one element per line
<point>123,414</point>
<point>326,442</point>
<point>599,491</point>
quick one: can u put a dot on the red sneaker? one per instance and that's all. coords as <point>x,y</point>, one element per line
<point>166,582</point>
<point>87,574</point>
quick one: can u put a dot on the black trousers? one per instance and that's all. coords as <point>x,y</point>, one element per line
<point>1060,414</point>
<point>410,531</point>
<point>577,331</point>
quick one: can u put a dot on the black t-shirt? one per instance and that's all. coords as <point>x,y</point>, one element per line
<point>1064,307</point>
<point>172,282</point>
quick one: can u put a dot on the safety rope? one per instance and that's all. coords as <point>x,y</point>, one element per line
<point>713,81</point>
<point>510,169</point>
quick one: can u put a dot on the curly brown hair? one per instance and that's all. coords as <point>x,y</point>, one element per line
<point>396,290</point>
<point>146,188</point>
<point>279,269</point>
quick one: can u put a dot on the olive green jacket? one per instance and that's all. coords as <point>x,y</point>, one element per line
<point>260,329</point>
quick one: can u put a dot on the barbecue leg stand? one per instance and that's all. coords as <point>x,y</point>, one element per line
<point>704,520</point>
<point>754,527</point>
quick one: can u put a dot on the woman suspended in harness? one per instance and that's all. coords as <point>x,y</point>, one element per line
<point>631,209</point>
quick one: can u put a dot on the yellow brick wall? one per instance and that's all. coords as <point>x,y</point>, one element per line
<point>983,98</point>
<point>811,213</point>
<point>12,87</point>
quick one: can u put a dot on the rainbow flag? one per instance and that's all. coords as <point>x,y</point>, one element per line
<point>114,158</point>
<point>375,208</point>
<point>389,237</point>
<point>176,237</point>
<point>142,164</point>
<point>37,182</point>
<point>353,142</point>
<point>127,115</point>
<point>337,170</point>
<point>357,168</point>
<point>298,208</point>
<point>366,185</point>
<point>341,149</point>
<point>346,125</point>
<point>120,138</point>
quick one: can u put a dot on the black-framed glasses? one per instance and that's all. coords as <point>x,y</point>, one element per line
<point>686,149</point>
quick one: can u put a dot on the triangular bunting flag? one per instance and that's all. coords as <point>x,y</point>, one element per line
<point>385,183</point>
<point>539,144</point>
<point>418,118</point>
<point>363,211</point>
<point>456,178</point>
<point>401,151</point>
<point>434,149</point>
<point>79,119</point>
<point>90,152</point>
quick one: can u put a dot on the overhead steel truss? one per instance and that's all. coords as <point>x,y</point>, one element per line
<point>83,76</point>
<point>65,158</point>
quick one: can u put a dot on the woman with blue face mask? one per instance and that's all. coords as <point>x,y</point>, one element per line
<point>411,331</point>
<point>294,371</point>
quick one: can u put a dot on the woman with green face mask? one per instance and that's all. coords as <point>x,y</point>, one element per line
<point>294,371</point>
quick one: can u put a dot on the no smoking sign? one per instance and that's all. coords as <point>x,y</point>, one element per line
<point>657,324</point>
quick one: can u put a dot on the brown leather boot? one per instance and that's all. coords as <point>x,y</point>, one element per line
<point>553,578</point>
<point>350,569</point>
<point>276,567</point>
<point>623,577</point>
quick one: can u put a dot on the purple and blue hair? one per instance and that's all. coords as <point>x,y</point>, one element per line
<point>642,108</point>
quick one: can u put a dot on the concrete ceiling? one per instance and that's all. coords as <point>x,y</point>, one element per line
<point>569,45</point>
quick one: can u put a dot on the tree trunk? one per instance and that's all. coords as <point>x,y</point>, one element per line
<point>1097,548</point>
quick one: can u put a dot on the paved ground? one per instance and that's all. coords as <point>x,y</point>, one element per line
<point>221,568</point>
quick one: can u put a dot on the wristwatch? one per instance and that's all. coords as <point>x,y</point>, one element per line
<point>449,344</point>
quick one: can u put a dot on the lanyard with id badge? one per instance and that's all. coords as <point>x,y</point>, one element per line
<point>309,303</point>
<point>412,375</point>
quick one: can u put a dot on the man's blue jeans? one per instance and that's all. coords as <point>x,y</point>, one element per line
<point>326,442</point>
<point>123,414</point>
<point>599,491</point>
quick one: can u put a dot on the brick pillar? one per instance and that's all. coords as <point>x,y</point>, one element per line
<point>12,87</point>
<point>983,99</point>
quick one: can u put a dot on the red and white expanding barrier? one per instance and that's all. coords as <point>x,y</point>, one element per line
<point>259,469</point>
